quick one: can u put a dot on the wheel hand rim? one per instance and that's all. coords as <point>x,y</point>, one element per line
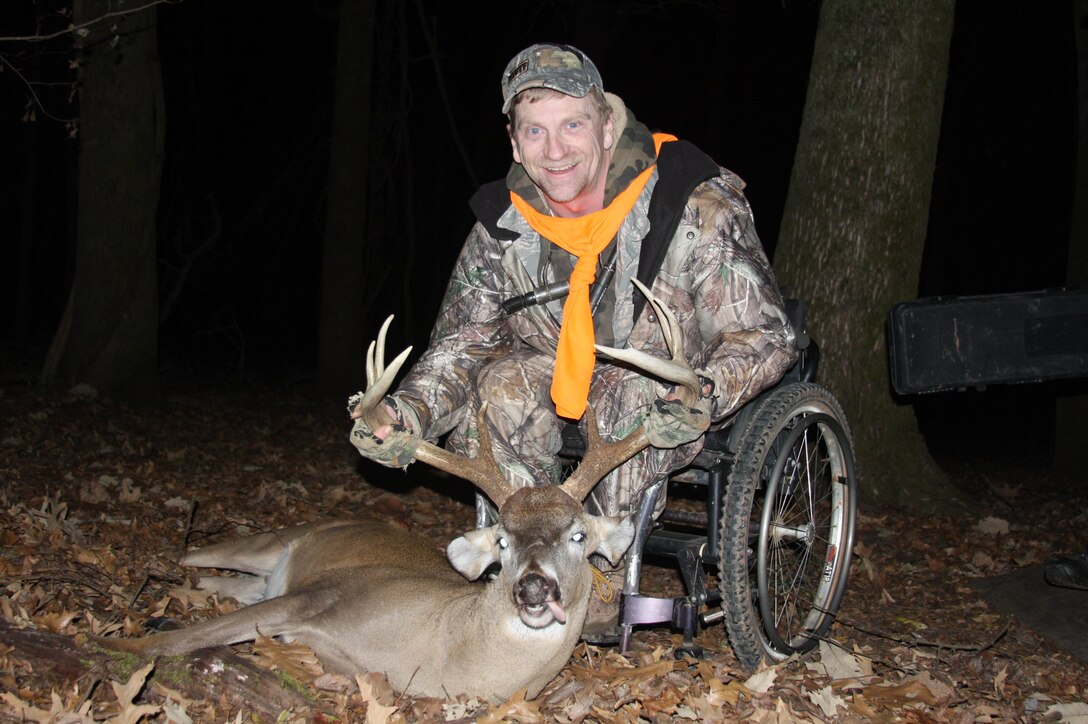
<point>782,624</point>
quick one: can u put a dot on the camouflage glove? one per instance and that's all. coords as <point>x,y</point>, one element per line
<point>395,444</point>
<point>671,423</point>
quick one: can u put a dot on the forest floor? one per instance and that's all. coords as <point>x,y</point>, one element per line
<point>98,499</point>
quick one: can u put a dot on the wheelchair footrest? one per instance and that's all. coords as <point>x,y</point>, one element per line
<point>639,609</point>
<point>670,543</point>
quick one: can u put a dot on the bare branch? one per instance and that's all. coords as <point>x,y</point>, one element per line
<point>75,29</point>
<point>33,94</point>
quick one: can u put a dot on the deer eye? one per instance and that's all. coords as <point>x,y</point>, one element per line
<point>578,537</point>
<point>502,543</point>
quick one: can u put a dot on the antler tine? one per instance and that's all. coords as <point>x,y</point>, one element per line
<point>375,353</point>
<point>675,369</point>
<point>379,378</point>
<point>482,471</point>
<point>601,457</point>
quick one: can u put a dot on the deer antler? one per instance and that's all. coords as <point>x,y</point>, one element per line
<point>602,457</point>
<point>675,369</point>
<point>379,378</point>
<point>482,470</point>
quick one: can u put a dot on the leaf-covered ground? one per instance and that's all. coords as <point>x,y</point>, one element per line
<point>97,500</point>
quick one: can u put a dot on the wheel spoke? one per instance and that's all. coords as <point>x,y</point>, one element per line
<point>802,528</point>
<point>791,490</point>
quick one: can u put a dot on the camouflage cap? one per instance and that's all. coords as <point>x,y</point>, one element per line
<point>560,67</point>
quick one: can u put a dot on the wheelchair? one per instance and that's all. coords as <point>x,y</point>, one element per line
<point>778,526</point>
<point>781,505</point>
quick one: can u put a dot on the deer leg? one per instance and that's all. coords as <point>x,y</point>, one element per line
<point>274,617</point>
<point>257,554</point>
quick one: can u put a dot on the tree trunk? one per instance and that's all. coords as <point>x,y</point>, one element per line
<point>108,337</point>
<point>343,326</point>
<point>24,295</point>
<point>1071,421</point>
<point>854,225</point>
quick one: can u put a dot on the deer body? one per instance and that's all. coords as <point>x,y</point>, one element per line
<point>369,596</point>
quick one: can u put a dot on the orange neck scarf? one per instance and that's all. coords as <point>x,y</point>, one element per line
<point>585,237</point>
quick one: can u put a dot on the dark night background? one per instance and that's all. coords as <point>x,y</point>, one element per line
<point>249,97</point>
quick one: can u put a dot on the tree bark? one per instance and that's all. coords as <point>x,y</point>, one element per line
<point>854,226</point>
<point>108,337</point>
<point>343,327</point>
<point>1071,419</point>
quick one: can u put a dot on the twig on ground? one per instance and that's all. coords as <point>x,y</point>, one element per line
<point>914,641</point>
<point>188,529</point>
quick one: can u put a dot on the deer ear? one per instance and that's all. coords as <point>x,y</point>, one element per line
<point>473,552</point>
<point>614,536</point>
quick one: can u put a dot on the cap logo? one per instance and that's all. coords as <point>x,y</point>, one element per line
<point>517,71</point>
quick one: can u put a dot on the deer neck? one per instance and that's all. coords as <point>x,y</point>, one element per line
<point>503,643</point>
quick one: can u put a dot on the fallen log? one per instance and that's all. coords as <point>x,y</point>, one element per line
<point>219,676</point>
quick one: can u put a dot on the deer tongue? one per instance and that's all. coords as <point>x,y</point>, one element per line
<point>557,611</point>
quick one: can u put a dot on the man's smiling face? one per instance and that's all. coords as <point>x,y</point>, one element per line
<point>564,147</point>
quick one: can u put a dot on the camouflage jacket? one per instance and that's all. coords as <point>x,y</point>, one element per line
<point>711,270</point>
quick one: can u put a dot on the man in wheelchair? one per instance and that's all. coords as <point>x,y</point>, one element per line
<point>592,201</point>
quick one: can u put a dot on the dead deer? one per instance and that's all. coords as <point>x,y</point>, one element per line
<point>367,596</point>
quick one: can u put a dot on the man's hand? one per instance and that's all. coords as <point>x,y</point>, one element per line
<point>673,423</point>
<point>383,435</point>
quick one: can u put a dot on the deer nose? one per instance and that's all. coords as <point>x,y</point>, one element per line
<point>534,589</point>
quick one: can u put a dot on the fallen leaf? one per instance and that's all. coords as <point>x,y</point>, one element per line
<point>993,526</point>
<point>761,681</point>
<point>175,712</point>
<point>130,492</point>
<point>915,688</point>
<point>999,680</point>
<point>93,491</point>
<point>295,659</point>
<point>644,672</point>
<point>514,709</point>
<point>376,713</point>
<point>837,663</point>
<point>726,694</point>
<point>56,622</point>
<point>55,715</point>
<point>828,701</point>
<point>782,714</point>
<point>190,597</point>
<point>332,682</point>
<point>176,706</point>
<point>127,692</point>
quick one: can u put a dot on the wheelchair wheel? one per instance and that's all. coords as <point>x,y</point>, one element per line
<point>788,524</point>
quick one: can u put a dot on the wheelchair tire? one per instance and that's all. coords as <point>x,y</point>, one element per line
<point>787,526</point>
